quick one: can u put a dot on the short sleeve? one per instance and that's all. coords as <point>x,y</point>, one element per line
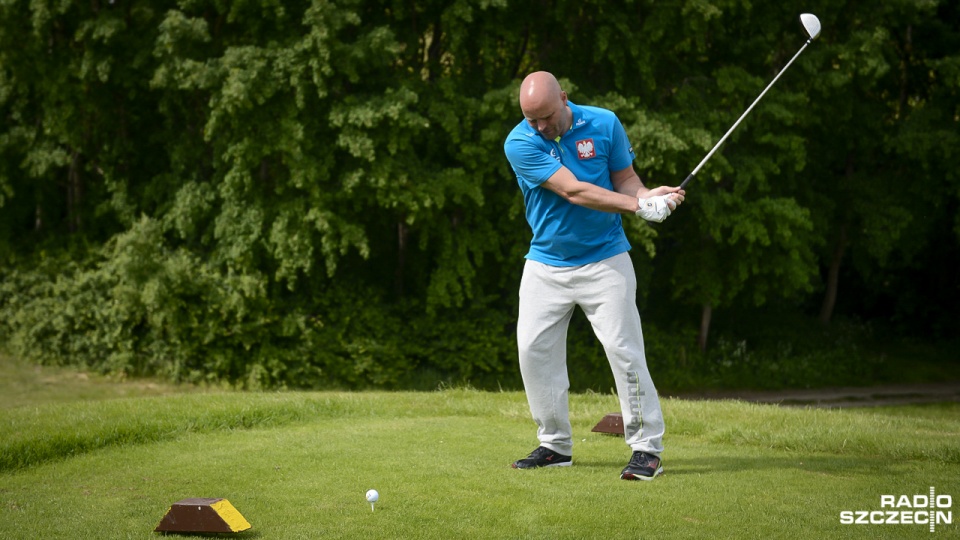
<point>532,164</point>
<point>621,153</point>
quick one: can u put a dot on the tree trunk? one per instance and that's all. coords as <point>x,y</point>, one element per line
<point>401,257</point>
<point>74,194</point>
<point>833,278</point>
<point>705,316</point>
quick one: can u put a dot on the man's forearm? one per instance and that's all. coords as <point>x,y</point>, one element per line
<point>598,198</point>
<point>628,182</point>
<point>566,185</point>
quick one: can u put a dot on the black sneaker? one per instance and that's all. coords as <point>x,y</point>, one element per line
<point>642,466</point>
<point>543,457</point>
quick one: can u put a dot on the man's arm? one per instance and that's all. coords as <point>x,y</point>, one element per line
<point>627,190</point>
<point>627,182</point>
<point>566,185</point>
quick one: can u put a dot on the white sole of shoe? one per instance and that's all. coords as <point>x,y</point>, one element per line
<point>657,473</point>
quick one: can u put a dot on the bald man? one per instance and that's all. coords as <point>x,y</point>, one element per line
<point>574,165</point>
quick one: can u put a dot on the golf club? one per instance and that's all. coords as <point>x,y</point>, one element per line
<point>812,25</point>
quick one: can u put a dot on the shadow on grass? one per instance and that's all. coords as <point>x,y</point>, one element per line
<point>240,535</point>
<point>731,464</point>
<point>828,465</point>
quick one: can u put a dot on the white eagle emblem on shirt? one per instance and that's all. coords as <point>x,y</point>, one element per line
<point>585,149</point>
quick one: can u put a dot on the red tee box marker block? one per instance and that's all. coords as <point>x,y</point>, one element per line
<point>611,423</point>
<point>203,516</point>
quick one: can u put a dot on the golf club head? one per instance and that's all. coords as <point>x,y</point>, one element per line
<point>811,24</point>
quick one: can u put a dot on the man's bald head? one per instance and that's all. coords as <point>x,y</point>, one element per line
<point>539,87</point>
<point>544,104</point>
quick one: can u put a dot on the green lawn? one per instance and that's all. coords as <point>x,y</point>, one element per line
<point>297,465</point>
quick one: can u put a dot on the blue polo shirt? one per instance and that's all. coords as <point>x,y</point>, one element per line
<point>565,234</point>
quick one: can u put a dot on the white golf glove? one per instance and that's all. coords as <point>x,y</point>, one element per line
<point>656,208</point>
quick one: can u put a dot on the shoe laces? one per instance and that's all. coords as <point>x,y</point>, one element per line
<point>642,459</point>
<point>540,452</point>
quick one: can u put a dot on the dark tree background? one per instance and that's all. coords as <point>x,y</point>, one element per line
<point>313,194</point>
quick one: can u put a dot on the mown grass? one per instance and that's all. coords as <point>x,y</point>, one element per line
<point>296,465</point>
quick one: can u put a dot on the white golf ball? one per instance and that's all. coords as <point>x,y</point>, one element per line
<point>372,496</point>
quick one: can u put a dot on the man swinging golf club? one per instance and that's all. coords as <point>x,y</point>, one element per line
<point>574,165</point>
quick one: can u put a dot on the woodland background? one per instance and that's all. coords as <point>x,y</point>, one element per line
<point>313,194</point>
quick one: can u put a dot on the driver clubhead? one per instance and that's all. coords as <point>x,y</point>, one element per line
<point>811,24</point>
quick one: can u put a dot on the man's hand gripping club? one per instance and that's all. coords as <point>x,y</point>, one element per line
<point>657,204</point>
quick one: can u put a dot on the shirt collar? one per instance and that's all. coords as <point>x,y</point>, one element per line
<point>577,118</point>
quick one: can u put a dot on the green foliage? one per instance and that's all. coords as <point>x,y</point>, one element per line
<point>146,308</point>
<point>209,190</point>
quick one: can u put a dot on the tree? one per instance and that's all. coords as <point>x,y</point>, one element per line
<point>314,191</point>
<point>885,110</point>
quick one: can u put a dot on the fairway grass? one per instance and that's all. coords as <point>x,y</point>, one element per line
<point>297,465</point>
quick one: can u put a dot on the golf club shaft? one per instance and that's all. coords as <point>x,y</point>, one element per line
<point>742,116</point>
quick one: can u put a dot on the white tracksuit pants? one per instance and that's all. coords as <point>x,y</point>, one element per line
<point>606,291</point>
